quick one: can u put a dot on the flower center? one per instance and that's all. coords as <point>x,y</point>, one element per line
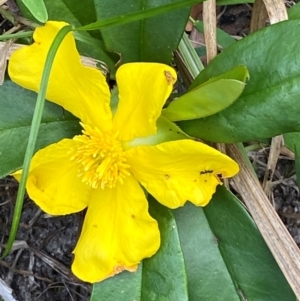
<point>101,158</point>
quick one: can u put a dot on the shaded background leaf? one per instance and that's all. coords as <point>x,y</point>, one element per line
<point>37,9</point>
<point>158,36</point>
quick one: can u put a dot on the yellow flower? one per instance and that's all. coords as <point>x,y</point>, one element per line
<point>102,168</point>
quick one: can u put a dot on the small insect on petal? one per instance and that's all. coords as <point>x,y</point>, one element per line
<point>204,172</point>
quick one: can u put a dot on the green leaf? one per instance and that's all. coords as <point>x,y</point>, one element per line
<point>291,140</point>
<point>17,106</point>
<point>83,11</point>
<point>226,257</point>
<point>269,104</point>
<point>152,39</point>
<point>37,8</point>
<point>250,263</point>
<point>164,276</point>
<point>122,287</point>
<point>294,12</point>
<point>209,98</point>
<point>204,100</point>
<point>223,39</point>
<point>207,274</point>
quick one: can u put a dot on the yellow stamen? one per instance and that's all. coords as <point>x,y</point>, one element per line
<point>101,158</point>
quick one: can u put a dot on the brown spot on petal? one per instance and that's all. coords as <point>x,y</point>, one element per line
<point>167,176</point>
<point>118,269</point>
<point>169,77</point>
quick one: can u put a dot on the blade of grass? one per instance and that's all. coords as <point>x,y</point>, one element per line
<point>137,15</point>
<point>190,57</point>
<point>20,34</point>
<point>36,120</point>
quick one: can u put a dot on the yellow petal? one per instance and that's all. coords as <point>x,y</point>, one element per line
<point>117,233</point>
<point>177,171</point>
<point>53,183</point>
<point>81,90</point>
<point>143,90</point>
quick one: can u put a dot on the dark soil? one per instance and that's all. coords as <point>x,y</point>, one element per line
<point>39,266</point>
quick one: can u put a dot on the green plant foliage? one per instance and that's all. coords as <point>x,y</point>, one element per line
<point>215,253</point>
<point>207,274</point>
<point>251,265</point>
<point>123,287</point>
<point>291,140</point>
<point>17,106</point>
<point>209,98</point>
<point>158,36</point>
<point>269,104</point>
<point>37,9</point>
<point>223,39</point>
<point>294,12</point>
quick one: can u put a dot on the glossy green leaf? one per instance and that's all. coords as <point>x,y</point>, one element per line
<point>209,98</point>
<point>152,39</point>
<point>269,104</point>
<point>83,11</point>
<point>17,106</point>
<point>250,263</point>
<point>205,100</point>
<point>239,73</point>
<point>37,9</point>
<point>164,276</point>
<point>123,287</point>
<point>207,274</point>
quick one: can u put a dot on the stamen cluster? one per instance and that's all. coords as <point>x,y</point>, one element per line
<point>101,158</point>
